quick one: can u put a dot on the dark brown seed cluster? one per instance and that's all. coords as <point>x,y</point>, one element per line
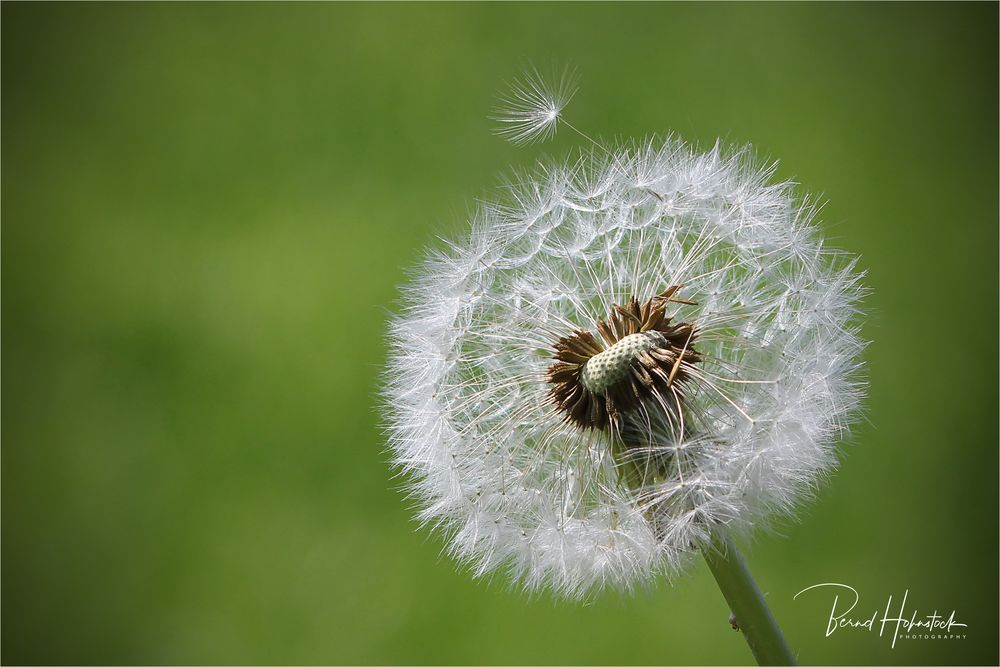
<point>628,372</point>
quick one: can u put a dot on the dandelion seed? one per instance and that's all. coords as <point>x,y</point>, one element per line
<point>531,110</point>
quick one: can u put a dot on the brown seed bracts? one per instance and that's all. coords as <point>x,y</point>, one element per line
<point>644,359</point>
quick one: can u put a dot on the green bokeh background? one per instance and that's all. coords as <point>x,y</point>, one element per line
<point>207,210</point>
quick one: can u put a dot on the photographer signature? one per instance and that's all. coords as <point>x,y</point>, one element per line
<point>929,626</point>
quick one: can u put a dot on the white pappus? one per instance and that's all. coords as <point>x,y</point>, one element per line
<point>532,108</point>
<point>627,353</point>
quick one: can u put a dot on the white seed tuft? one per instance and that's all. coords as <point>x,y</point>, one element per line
<point>532,107</point>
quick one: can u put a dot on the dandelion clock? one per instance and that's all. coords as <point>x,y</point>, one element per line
<point>629,358</point>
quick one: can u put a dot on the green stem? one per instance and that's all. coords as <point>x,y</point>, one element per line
<point>746,602</point>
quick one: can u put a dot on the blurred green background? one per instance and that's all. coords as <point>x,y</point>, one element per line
<point>207,210</point>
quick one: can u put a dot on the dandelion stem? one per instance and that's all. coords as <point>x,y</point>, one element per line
<point>750,612</point>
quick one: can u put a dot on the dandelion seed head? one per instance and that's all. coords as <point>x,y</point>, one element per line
<point>531,108</point>
<point>628,352</point>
